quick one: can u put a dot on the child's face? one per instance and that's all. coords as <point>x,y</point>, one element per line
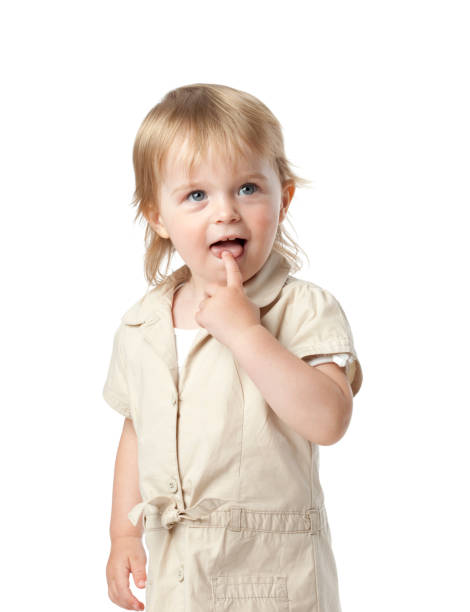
<point>219,200</point>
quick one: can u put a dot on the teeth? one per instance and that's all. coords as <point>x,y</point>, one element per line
<point>230,238</point>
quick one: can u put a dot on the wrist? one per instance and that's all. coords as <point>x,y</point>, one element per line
<point>115,537</point>
<point>122,539</point>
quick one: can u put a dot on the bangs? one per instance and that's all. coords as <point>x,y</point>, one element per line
<point>191,142</point>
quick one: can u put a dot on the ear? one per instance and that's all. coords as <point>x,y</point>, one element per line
<point>156,223</point>
<point>288,191</point>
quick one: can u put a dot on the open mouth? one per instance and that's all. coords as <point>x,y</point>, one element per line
<point>236,247</point>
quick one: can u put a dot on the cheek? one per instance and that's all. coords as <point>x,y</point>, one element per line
<point>265,219</point>
<point>188,236</point>
<point>183,228</point>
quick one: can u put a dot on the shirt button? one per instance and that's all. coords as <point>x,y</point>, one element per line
<point>181,573</point>
<point>173,484</point>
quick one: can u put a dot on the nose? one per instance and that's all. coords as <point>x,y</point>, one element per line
<point>225,210</point>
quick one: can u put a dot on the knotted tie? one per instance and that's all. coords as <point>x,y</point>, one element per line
<point>171,514</point>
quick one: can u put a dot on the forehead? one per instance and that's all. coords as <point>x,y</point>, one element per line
<point>184,162</point>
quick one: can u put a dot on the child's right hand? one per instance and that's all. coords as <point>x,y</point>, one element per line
<point>127,556</point>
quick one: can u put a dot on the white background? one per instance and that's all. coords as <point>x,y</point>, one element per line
<point>374,101</point>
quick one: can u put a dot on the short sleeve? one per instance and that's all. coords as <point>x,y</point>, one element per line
<point>320,328</point>
<point>115,390</point>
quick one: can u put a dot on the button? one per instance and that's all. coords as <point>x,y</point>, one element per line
<point>180,573</point>
<point>173,484</point>
<point>175,401</point>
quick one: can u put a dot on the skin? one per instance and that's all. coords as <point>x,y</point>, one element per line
<point>315,401</point>
<point>223,199</point>
<point>127,555</point>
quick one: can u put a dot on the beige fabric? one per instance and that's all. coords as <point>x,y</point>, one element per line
<point>185,337</point>
<point>234,512</point>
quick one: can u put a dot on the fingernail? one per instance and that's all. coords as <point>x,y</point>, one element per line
<point>141,583</point>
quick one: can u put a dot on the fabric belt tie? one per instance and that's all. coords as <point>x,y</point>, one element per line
<point>171,514</point>
<point>165,513</point>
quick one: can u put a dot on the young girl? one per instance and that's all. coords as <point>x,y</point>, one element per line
<point>212,370</point>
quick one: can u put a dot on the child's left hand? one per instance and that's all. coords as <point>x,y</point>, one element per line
<point>226,312</point>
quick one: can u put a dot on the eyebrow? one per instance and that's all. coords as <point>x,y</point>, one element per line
<point>256,175</point>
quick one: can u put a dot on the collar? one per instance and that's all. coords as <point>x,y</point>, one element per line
<point>261,289</point>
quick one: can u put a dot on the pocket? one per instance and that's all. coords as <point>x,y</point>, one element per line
<point>267,593</point>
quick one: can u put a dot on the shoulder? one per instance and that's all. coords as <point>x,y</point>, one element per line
<point>293,283</point>
<point>133,314</point>
<point>144,309</point>
<point>304,295</point>
<point>132,318</point>
<point>311,314</point>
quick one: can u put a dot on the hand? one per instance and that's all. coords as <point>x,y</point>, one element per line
<point>127,556</point>
<point>226,312</point>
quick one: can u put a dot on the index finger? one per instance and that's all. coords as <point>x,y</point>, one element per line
<point>234,276</point>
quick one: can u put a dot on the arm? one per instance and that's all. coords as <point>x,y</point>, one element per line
<point>126,485</point>
<point>127,552</point>
<point>315,401</point>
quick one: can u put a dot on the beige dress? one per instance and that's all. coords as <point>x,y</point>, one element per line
<point>233,509</point>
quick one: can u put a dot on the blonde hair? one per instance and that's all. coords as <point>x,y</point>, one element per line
<point>206,114</point>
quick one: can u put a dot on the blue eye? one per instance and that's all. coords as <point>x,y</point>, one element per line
<point>249,184</point>
<point>198,191</point>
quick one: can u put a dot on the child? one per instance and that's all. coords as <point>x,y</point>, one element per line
<point>212,370</point>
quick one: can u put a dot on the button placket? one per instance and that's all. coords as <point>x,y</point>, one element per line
<point>173,482</point>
